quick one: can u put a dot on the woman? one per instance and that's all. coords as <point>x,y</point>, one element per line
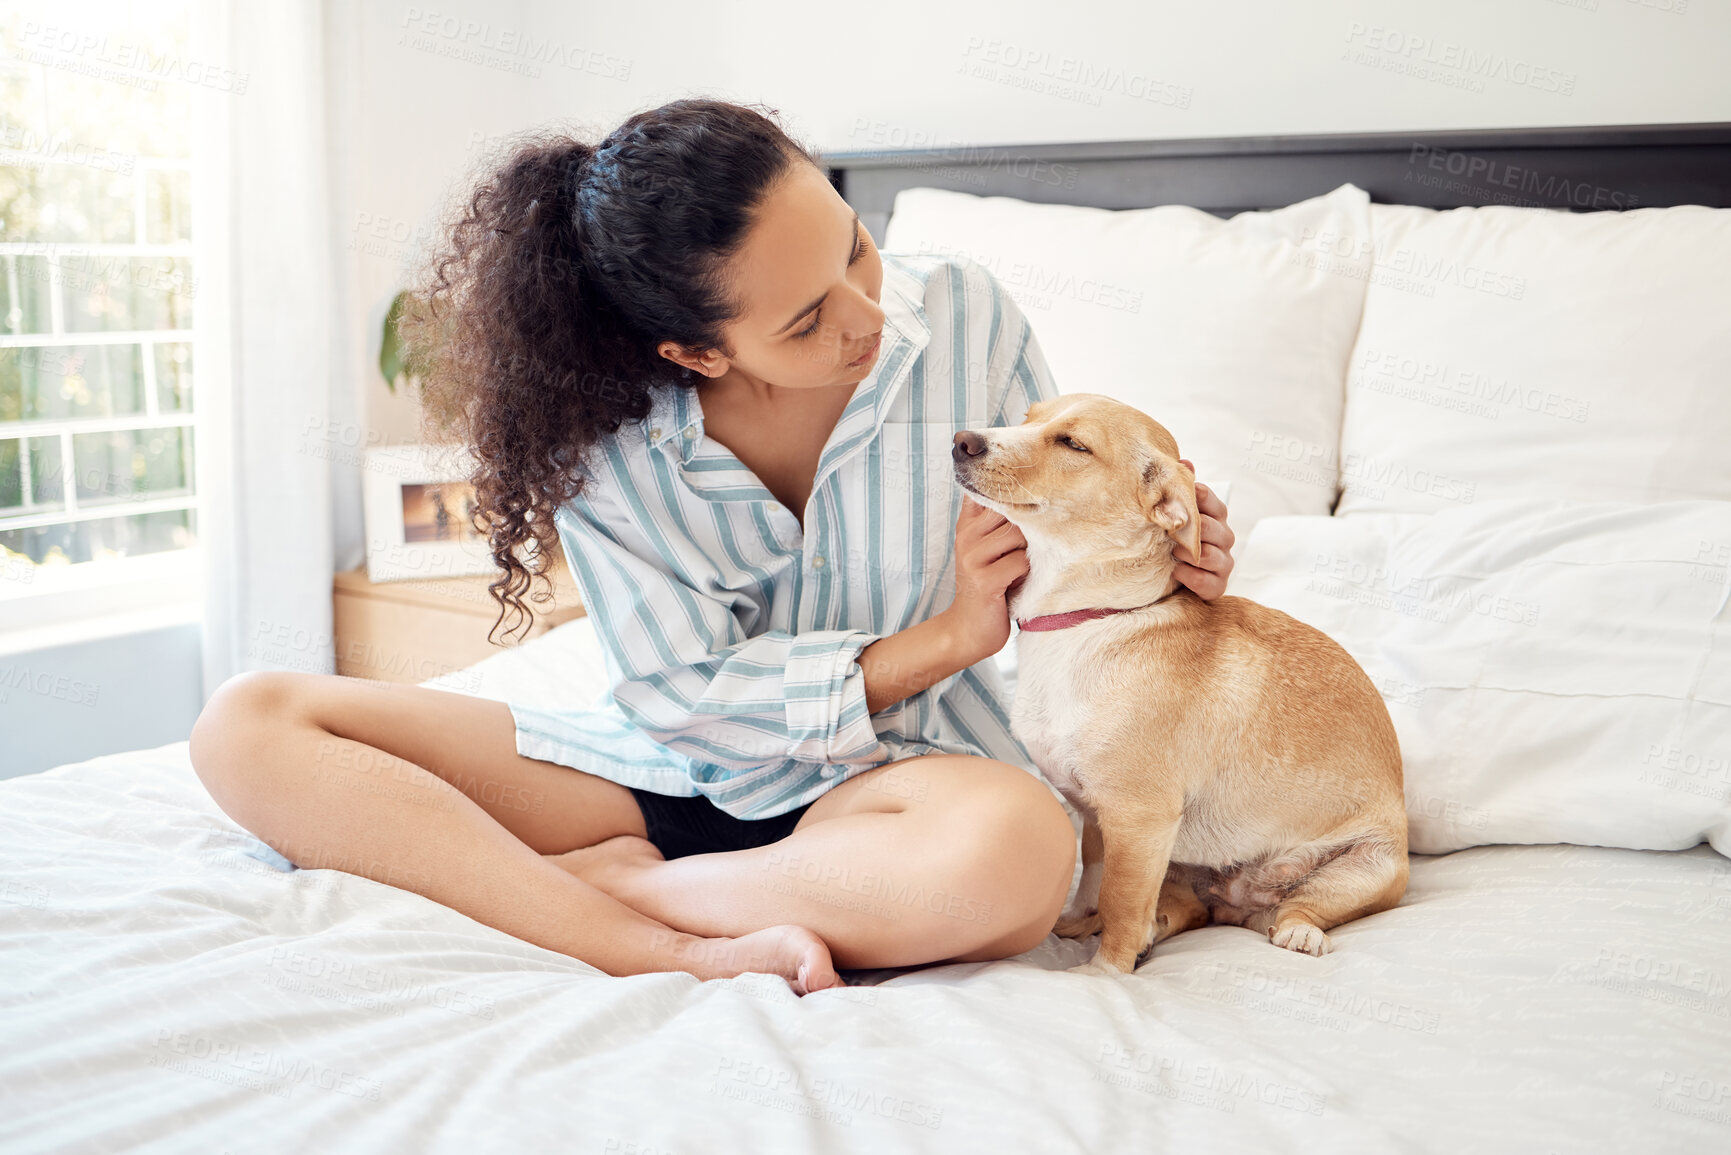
<point>679,356</point>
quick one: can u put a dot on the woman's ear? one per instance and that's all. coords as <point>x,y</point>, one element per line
<point>709,362</point>
<point>1169,496</point>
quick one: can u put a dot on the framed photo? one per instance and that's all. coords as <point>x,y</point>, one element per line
<point>419,509</point>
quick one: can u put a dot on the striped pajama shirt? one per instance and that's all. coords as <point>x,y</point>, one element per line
<point>731,636</point>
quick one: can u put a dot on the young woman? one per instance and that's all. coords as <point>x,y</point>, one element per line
<point>679,358</point>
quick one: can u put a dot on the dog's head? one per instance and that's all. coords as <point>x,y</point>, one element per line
<point>1083,472</point>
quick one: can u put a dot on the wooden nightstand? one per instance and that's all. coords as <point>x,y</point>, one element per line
<point>409,631</point>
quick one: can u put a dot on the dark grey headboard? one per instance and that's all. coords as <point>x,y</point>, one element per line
<point>1610,168</point>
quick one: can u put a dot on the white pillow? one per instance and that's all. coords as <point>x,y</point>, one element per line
<point>1234,334</point>
<point>563,667</point>
<point>1511,352</point>
<point>1556,671</point>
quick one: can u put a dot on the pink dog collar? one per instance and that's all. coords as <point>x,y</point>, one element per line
<point>1070,618</point>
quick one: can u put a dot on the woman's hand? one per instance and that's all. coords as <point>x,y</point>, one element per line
<point>1206,578</point>
<point>991,556</point>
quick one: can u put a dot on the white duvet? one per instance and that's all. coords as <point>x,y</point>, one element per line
<point>166,985</point>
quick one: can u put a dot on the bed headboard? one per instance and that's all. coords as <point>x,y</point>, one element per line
<point>1584,169</point>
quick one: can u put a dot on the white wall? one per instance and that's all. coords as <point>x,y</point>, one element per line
<point>68,703</point>
<point>416,87</point>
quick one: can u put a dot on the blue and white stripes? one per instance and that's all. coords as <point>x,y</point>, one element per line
<point>731,637</point>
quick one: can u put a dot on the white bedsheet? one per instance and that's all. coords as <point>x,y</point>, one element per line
<point>164,985</point>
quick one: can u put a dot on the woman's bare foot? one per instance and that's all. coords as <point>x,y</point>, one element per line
<point>794,953</point>
<point>605,865</point>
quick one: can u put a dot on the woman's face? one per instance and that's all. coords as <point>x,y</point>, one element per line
<point>809,278</point>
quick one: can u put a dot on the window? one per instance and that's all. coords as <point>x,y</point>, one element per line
<point>97,298</point>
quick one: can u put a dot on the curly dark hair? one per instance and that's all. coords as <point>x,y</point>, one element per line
<point>540,310</point>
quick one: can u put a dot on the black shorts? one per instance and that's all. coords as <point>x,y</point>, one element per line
<point>695,825</point>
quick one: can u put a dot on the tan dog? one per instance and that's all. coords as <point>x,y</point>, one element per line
<point>1241,748</point>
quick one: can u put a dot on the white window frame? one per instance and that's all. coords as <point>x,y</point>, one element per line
<point>63,604</point>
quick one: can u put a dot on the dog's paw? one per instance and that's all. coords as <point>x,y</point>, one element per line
<point>1301,937</point>
<point>1071,925</point>
<point>1097,966</point>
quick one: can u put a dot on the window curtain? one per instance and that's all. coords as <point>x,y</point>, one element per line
<point>276,409</point>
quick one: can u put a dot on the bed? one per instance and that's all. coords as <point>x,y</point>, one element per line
<point>1557,978</point>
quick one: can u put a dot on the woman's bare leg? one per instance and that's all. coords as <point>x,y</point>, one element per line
<point>941,857</point>
<point>423,789</point>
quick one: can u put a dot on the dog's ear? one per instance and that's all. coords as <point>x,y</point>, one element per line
<point>1169,496</point>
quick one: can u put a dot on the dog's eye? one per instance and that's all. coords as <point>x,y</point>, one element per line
<point>1073,444</point>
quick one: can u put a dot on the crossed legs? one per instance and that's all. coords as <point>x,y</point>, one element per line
<point>931,859</point>
<point>941,857</point>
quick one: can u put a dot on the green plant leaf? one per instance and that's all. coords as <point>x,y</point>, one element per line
<point>393,358</point>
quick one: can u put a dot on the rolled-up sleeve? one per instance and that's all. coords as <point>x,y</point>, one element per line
<point>683,669</point>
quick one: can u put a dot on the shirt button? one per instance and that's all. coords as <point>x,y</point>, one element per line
<point>655,434</point>
<point>690,432</point>
<point>817,562</point>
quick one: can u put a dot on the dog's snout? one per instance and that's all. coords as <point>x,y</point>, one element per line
<point>968,444</point>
